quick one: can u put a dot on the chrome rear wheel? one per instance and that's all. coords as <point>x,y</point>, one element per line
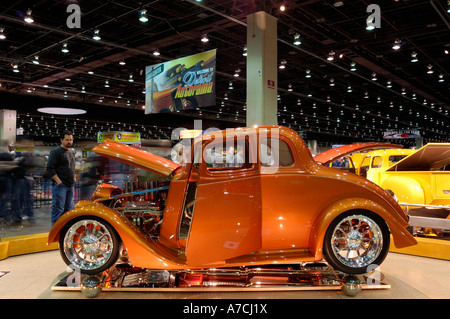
<point>355,241</point>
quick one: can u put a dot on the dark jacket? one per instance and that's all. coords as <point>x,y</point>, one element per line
<point>61,162</point>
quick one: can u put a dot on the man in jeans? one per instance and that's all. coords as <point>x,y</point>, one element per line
<point>61,167</point>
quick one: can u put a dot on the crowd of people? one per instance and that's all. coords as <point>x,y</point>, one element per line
<point>16,184</point>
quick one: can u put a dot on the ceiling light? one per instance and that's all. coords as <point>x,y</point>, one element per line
<point>156,52</point>
<point>106,84</point>
<point>403,91</point>
<point>349,89</point>
<point>331,82</point>
<point>65,94</point>
<point>143,16</point>
<point>441,77</point>
<point>230,85</point>
<point>96,35</point>
<point>331,56</point>
<point>338,3</point>
<point>430,69</point>
<point>374,76</point>
<point>204,38</point>
<point>130,78</point>
<point>308,73</point>
<point>61,111</point>
<point>282,64</point>
<point>36,60</point>
<point>65,49</point>
<point>414,57</point>
<point>448,6</point>
<point>290,87</point>
<point>122,63</point>
<point>83,89</point>
<point>28,18</point>
<point>2,33</point>
<point>15,68</point>
<point>282,8</point>
<point>389,85</point>
<point>297,40</point>
<point>397,44</point>
<point>353,66</point>
<point>244,51</point>
<point>236,73</point>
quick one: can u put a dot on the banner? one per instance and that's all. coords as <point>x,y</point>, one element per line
<point>185,83</point>
<point>129,138</point>
<point>400,134</point>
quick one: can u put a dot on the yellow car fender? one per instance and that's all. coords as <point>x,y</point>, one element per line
<point>406,189</point>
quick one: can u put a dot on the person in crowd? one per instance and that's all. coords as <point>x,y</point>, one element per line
<point>22,184</point>
<point>6,167</point>
<point>61,168</point>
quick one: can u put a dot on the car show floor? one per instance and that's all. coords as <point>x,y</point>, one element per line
<point>32,276</point>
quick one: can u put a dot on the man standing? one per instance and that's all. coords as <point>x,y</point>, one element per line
<point>61,167</point>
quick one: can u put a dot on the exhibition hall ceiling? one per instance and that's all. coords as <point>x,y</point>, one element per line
<point>320,93</point>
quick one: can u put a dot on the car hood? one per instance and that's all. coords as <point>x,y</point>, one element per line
<point>135,157</point>
<point>430,157</point>
<point>331,155</point>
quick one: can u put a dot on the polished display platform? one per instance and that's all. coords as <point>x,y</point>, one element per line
<point>32,276</point>
<point>296,277</point>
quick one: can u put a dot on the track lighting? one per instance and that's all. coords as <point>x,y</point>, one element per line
<point>297,40</point>
<point>397,44</point>
<point>96,35</point>
<point>28,18</point>
<point>65,49</point>
<point>308,73</point>
<point>204,38</point>
<point>2,33</point>
<point>331,56</point>
<point>143,16</point>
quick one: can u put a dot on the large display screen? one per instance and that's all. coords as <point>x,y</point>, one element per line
<point>185,83</point>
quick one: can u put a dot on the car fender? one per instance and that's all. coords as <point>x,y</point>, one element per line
<point>396,224</point>
<point>407,189</point>
<point>89,208</point>
<point>143,252</point>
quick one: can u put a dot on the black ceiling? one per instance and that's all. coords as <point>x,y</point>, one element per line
<point>332,114</point>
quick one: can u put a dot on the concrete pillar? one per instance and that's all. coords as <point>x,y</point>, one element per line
<point>262,80</point>
<point>7,128</point>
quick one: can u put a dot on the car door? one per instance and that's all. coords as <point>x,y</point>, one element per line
<point>226,221</point>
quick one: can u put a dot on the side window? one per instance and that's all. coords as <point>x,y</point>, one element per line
<point>275,152</point>
<point>230,155</point>
<point>377,161</point>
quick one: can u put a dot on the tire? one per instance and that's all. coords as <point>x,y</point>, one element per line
<point>89,244</point>
<point>356,242</point>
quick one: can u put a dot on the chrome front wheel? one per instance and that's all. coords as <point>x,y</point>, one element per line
<point>355,241</point>
<point>90,245</point>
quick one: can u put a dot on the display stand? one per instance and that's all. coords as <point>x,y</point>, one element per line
<point>298,277</point>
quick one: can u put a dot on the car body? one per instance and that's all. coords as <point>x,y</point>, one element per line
<point>276,206</point>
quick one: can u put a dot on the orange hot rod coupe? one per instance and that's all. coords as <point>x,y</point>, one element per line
<point>246,197</point>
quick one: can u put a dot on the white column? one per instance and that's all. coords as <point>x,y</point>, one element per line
<point>262,81</point>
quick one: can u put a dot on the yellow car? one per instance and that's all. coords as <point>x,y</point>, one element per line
<point>420,177</point>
